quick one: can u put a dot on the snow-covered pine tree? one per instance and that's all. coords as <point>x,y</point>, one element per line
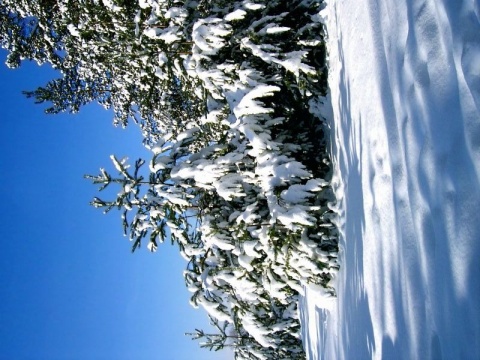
<point>262,67</point>
<point>226,93</point>
<point>125,55</point>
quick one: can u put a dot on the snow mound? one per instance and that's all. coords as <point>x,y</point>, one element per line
<point>405,88</point>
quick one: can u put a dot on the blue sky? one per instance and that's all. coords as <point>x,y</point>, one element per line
<point>70,288</point>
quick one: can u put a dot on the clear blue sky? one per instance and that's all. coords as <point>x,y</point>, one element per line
<point>70,288</point>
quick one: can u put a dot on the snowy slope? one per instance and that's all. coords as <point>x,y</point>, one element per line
<point>405,90</point>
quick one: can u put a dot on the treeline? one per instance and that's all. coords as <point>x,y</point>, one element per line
<point>229,95</point>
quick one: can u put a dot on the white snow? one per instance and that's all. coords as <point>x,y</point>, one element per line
<point>405,89</point>
<point>238,14</point>
<point>73,30</point>
<point>208,35</point>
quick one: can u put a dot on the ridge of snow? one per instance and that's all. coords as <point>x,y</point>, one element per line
<point>404,77</point>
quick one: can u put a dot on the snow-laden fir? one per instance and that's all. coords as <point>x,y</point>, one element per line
<point>229,95</point>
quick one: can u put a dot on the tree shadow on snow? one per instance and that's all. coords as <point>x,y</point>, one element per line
<point>355,337</point>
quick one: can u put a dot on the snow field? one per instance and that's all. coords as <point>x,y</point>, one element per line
<point>405,90</point>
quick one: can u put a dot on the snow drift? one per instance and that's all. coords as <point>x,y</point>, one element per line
<point>405,88</point>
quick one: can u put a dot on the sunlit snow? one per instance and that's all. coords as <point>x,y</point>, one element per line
<point>405,89</point>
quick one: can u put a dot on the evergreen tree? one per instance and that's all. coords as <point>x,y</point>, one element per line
<point>227,94</point>
<point>123,54</point>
